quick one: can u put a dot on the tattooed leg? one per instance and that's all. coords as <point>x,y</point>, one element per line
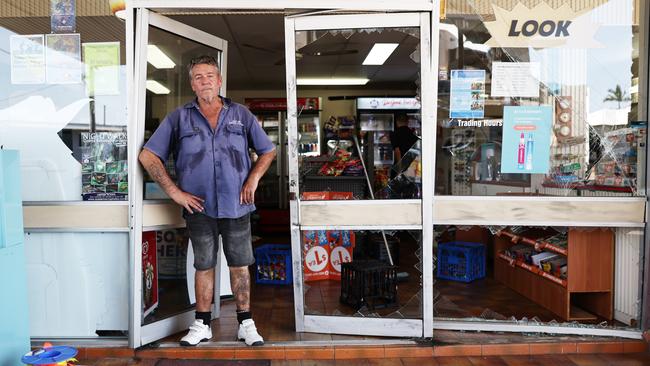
<point>204,289</point>
<point>240,282</point>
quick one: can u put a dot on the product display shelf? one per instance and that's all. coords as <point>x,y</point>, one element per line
<point>533,269</point>
<point>539,244</point>
<point>587,292</point>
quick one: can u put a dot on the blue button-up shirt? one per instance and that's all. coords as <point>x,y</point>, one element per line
<point>211,164</point>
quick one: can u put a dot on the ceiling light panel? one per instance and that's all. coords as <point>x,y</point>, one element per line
<point>156,87</point>
<point>158,58</point>
<point>380,53</point>
<point>332,81</point>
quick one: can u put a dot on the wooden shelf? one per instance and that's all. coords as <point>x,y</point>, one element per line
<point>533,269</point>
<point>576,313</point>
<point>587,292</point>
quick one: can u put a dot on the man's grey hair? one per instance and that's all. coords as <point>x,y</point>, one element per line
<point>203,59</point>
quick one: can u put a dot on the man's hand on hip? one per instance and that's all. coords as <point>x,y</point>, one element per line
<point>247,195</point>
<point>191,202</point>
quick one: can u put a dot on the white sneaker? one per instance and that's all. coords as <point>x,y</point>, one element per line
<point>199,332</point>
<point>248,333</point>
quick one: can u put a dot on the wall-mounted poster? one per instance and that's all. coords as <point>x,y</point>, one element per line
<point>63,58</point>
<point>62,16</point>
<point>467,99</point>
<point>27,59</point>
<point>102,61</point>
<point>526,139</point>
<point>104,169</point>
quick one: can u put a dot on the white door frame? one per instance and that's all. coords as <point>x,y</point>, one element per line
<point>155,215</point>
<point>364,209</point>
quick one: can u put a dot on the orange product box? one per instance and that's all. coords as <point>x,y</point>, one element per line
<point>315,253</point>
<point>315,196</point>
<point>341,196</point>
<point>341,247</point>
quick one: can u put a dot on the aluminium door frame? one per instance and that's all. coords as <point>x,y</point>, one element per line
<point>154,215</point>
<point>384,209</point>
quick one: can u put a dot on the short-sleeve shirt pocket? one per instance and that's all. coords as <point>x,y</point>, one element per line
<point>236,136</point>
<point>190,141</point>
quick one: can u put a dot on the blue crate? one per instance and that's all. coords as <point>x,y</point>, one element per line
<point>461,261</point>
<point>273,264</point>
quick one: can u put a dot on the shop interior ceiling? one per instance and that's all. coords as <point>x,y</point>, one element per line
<point>256,53</point>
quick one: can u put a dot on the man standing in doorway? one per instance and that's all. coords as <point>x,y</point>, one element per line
<point>210,137</point>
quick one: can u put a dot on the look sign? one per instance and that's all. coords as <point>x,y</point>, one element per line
<point>542,27</point>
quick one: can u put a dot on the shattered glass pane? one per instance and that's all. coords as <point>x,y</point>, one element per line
<point>591,140</point>
<point>369,153</point>
<point>348,273</point>
<point>520,260</point>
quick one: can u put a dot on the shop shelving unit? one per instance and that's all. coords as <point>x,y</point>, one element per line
<point>586,293</point>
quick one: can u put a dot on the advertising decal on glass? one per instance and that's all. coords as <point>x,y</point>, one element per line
<point>542,26</point>
<point>515,79</point>
<point>62,16</point>
<point>102,61</point>
<point>467,99</point>
<point>526,139</point>
<point>104,168</point>
<point>149,272</point>
<point>27,59</point>
<point>63,58</point>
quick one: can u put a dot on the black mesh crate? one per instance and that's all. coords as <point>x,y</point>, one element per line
<point>370,283</point>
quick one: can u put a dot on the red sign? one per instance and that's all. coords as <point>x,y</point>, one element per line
<point>341,247</point>
<point>280,104</point>
<point>316,253</point>
<point>149,272</point>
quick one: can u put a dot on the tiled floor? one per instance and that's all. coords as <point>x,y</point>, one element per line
<point>637,359</point>
<point>273,308</point>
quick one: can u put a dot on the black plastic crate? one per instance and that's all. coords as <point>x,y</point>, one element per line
<point>370,283</point>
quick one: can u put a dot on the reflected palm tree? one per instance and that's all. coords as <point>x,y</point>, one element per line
<point>617,95</point>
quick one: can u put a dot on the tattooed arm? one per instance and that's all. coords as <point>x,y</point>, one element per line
<point>157,171</point>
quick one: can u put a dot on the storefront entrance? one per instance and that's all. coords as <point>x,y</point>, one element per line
<point>354,204</point>
<point>168,300</point>
<point>457,165</point>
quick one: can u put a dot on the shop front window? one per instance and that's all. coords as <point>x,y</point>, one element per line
<point>542,99</point>
<point>63,100</point>
<point>539,275</point>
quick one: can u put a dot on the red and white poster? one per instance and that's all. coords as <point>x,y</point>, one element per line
<point>149,273</point>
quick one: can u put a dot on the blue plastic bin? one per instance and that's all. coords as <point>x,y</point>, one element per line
<point>461,261</point>
<point>273,264</point>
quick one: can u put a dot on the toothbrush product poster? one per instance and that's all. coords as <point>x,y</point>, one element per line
<point>526,139</point>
